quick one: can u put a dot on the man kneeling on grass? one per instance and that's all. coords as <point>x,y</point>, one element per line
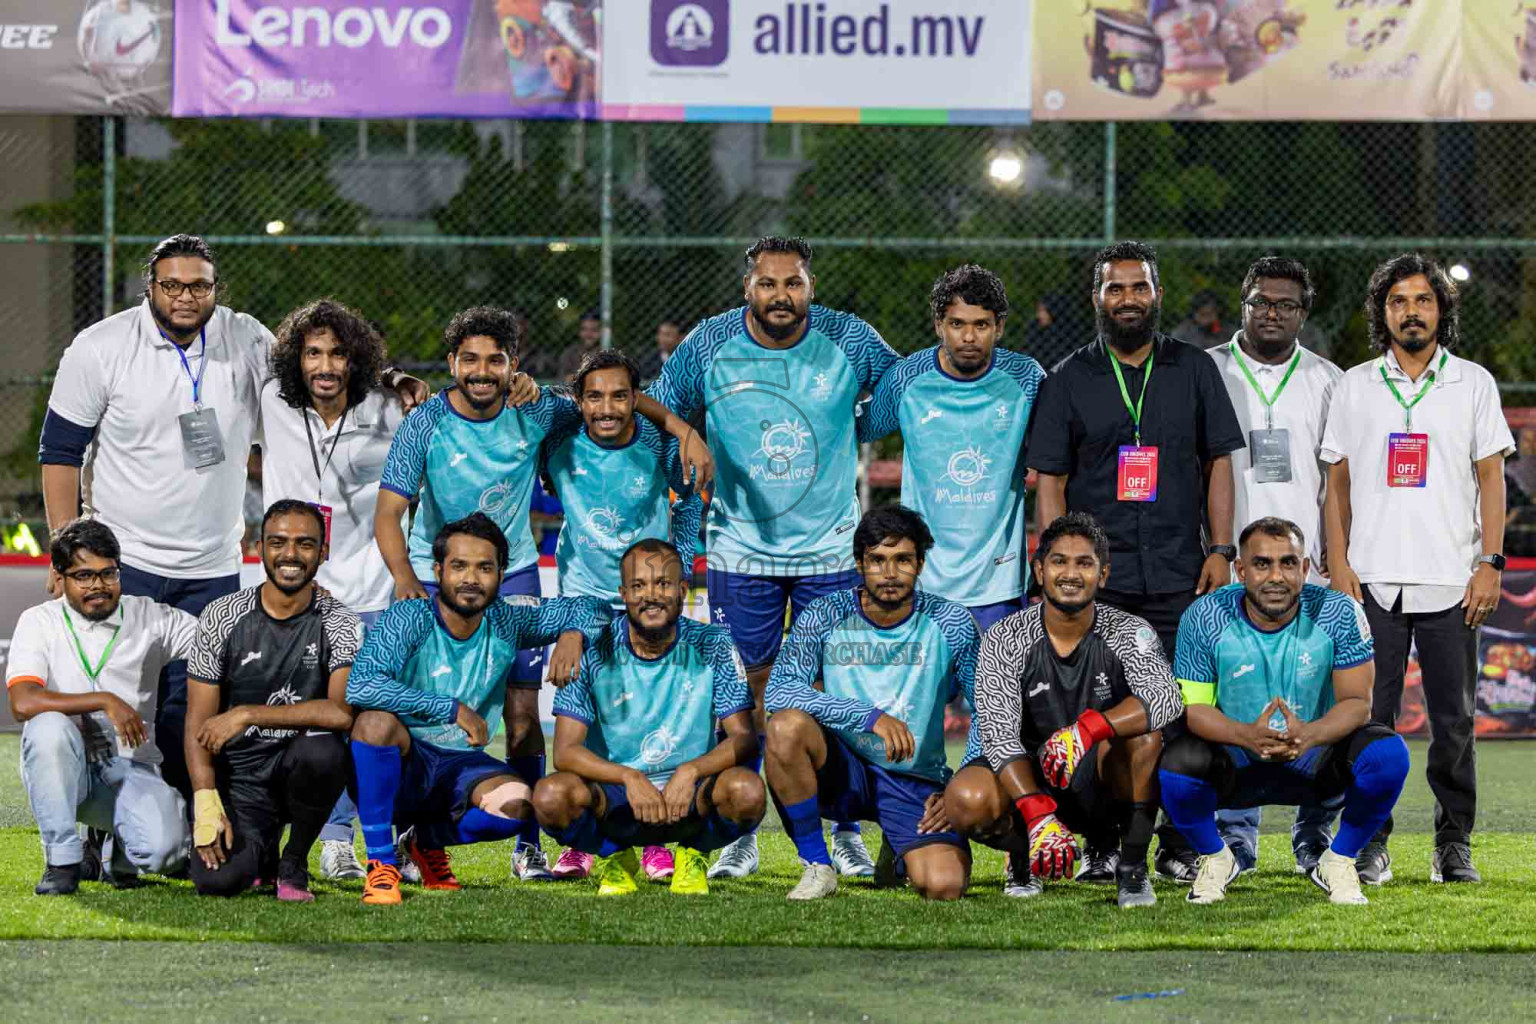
<point>429,689</point>
<point>266,715</point>
<point>635,740</point>
<point>1277,676</point>
<point>1071,696</point>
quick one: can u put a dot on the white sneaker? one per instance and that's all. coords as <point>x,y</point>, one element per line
<point>1337,877</point>
<point>818,882</point>
<point>530,865</point>
<point>338,860</point>
<point>737,860</point>
<point>409,872</point>
<point>850,857</point>
<point>1213,873</point>
<point>1020,884</point>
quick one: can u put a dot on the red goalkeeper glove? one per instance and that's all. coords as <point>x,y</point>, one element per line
<point>1052,850</point>
<point>1064,751</point>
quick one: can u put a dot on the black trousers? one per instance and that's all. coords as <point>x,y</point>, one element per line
<point>1447,649</point>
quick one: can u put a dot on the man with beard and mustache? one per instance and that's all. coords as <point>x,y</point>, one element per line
<point>1416,441</point>
<point>267,715</point>
<point>778,381</point>
<point>1137,430</point>
<point>1071,698</point>
<point>640,763</point>
<point>1280,391</point>
<point>1276,675</point>
<point>467,450</point>
<point>82,674</point>
<point>869,743</point>
<point>430,687</point>
<point>152,414</point>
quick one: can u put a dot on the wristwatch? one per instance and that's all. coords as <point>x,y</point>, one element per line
<point>1226,551</point>
<point>1497,561</point>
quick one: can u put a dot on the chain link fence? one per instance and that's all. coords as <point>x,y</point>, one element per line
<point>643,223</point>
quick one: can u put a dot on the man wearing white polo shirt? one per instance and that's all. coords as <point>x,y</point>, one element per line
<point>326,428</point>
<point>1280,392</point>
<point>82,675</point>
<point>1416,441</point>
<point>152,413</point>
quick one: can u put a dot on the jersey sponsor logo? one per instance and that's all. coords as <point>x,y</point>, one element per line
<point>441,670</point>
<point>1304,660</point>
<point>869,652</point>
<point>311,655</point>
<point>897,707</point>
<point>623,698</point>
<point>495,499</point>
<point>845,526</point>
<point>1001,416</point>
<point>782,443</point>
<point>578,471</point>
<point>1040,688</point>
<point>522,446</point>
<point>282,697</point>
<point>1146,639</point>
<point>250,657</point>
<point>1242,670</point>
<point>1101,690</point>
<point>457,458</point>
<point>1005,559</point>
<point>930,416</point>
<point>1361,622</point>
<point>967,468</point>
<point>605,529</point>
<point>823,387</point>
<point>657,746</point>
<point>639,484</point>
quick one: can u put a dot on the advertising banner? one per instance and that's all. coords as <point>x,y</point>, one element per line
<point>1355,60</point>
<point>346,58</point>
<point>918,61</point>
<point>1500,84</point>
<point>85,56</point>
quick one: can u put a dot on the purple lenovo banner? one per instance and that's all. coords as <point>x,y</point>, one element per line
<point>352,58</point>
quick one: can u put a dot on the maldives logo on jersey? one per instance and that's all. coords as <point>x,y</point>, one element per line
<point>967,468</point>
<point>782,443</point>
<point>658,746</point>
<point>495,499</point>
<point>605,529</point>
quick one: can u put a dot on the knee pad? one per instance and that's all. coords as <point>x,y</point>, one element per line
<point>1188,755</point>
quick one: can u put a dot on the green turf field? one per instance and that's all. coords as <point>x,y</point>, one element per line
<point>500,948</point>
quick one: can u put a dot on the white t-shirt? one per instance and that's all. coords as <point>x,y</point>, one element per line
<point>1420,541</point>
<point>1302,409</point>
<point>149,635</point>
<point>124,378</point>
<point>355,572</point>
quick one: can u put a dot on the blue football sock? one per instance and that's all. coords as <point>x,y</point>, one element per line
<point>755,765</point>
<point>846,826</point>
<point>1191,806</point>
<point>477,826</point>
<point>1380,771</point>
<point>529,768</point>
<point>803,823</point>
<point>378,781</point>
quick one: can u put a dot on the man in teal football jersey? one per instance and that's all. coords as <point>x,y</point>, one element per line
<point>778,380</point>
<point>429,688</point>
<point>1277,677</point>
<point>635,735</point>
<point>870,743</point>
<point>963,408</point>
<point>613,476</point>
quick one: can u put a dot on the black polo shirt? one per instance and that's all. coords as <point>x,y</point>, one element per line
<point>1080,422</point>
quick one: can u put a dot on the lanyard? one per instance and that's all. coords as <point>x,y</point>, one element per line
<point>1429,382</point>
<point>314,457</point>
<point>1134,410</point>
<point>197,382</point>
<point>93,673</point>
<point>1268,400</point>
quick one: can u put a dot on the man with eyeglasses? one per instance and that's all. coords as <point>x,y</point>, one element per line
<point>1280,392</point>
<point>82,674</point>
<point>152,413</point>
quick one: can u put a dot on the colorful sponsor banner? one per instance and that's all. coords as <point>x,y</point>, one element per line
<point>1247,60</point>
<point>918,61</point>
<point>349,58</point>
<point>85,56</point>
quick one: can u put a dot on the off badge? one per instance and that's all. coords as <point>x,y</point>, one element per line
<point>1138,473</point>
<point>1407,460</point>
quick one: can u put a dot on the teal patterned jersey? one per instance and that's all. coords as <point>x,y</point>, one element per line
<point>963,467</point>
<point>653,714</point>
<point>910,671</point>
<point>614,497</point>
<point>461,466</point>
<point>1223,659</point>
<point>781,427</point>
<point>412,667</point>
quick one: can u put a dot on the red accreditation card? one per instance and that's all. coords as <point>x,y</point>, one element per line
<point>1138,473</point>
<point>325,514</point>
<point>1407,460</point>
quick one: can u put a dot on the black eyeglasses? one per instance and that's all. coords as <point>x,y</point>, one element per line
<point>1261,307</point>
<point>173,288</point>
<point>85,577</point>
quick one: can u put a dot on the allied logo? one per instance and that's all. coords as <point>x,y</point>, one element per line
<point>690,33</point>
<point>968,466</point>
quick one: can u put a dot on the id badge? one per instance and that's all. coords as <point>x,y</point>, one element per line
<point>202,443</point>
<point>1407,460</point>
<point>325,514</point>
<point>1270,453</point>
<point>1138,473</point>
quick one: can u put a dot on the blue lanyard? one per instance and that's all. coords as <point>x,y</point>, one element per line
<point>197,382</point>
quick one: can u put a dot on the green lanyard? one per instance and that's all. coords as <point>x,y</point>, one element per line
<point>1134,410</point>
<point>94,673</point>
<point>1268,400</point>
<point>1429,382</point>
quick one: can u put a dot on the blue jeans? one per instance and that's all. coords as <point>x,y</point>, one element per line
<point>1240,829</point>
<point>339,825</point>
<point>147,817</point>
<point>191,596</point>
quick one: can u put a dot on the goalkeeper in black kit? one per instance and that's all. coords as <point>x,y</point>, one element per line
<point>1071,696</point>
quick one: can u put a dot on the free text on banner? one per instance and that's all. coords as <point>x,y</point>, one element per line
<point>85,56</point>
<point>1355,60</point>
